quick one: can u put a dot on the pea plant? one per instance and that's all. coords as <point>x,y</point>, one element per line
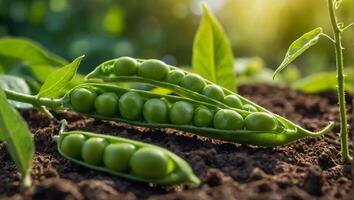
<point>309,39</point>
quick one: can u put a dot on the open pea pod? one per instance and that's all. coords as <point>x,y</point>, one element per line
<point>126,158</point>
<point>193,86</point>
<point>143,108</point>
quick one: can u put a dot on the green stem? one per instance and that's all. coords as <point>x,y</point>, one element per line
<point>36,102</point>
<point>346,158</point>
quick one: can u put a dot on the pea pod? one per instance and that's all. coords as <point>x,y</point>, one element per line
<point>126,158</point>
<point>195,87</point>
<point>143,108</point>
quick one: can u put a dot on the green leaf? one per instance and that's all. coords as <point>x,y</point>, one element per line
<point>212,53</point>
<point>320,82</point>
<point>59,79</point>
<point>28,52</point>
<point>298,47</point>
<point>17,137</point>
<point>16,84</point>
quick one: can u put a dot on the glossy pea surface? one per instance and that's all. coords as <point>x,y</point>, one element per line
<point>153,69</point>
<point>249,107</point>
<point>181,113</point>
<point>72,145</point>
<point>232,101</point>
<point>174,77</point>
<point>125,66</point>
<point>203,117</point>
<point>260,121</point>
<point>131,105</point>
<point>117,156</point>
<point>155,111</point>
<point>150,163</point>
<point>193,82</point>
<point>228,120</point>
<point>106,104</point>
<point>92,150</point>
<point>214,92</point>
<point>82,100</point>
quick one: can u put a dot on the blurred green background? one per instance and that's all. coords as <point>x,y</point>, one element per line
<point>165,29</point>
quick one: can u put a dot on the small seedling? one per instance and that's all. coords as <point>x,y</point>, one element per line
<point>311,38</point>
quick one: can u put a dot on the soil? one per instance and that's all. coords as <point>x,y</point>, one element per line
<point>306,169</point>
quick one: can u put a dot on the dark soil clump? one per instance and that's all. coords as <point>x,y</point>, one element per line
<point>306,169</point>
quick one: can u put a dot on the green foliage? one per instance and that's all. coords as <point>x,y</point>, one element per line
<point>28,52</point>
<point>18,139</point>
<point>59,79</point>
<point>298,47</point>
<point>212,53</point>
<point>16,84</point>
<point>323,81</point>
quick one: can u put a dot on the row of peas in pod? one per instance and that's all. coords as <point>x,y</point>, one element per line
<point>127,158</point>
<point>158,73</point>
<point>134,105</point>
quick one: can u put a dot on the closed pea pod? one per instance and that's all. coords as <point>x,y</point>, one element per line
<point>134,160</point>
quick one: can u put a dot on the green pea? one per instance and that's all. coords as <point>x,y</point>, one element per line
<point>228,120</point>
<point>106,104</point>
<point>181,112</point>
<point>117,156</point>
<point>193,82</point>
<point>92,150</point>
<point>82,100</point>
<point>153,69</point>
<point>175,77</point>
<point>125,66</point>
<point>155,111</point>
<point>214,92</point>
<point>260,121</point>
<point>131,105</point>
<point>249,108</point>
<point>203,117</point>
<point>72,145</point>
<point>150,162</point>
<point>232,101</point>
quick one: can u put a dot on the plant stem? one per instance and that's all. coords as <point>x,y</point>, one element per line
<point>36,102</point>
<point>346,158</point>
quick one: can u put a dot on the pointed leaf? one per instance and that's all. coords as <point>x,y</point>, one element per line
<point>29,52</point>
<point>212,53</point>
<point>59,79</point>
<point>298,47</point>
<point>17,137</point>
